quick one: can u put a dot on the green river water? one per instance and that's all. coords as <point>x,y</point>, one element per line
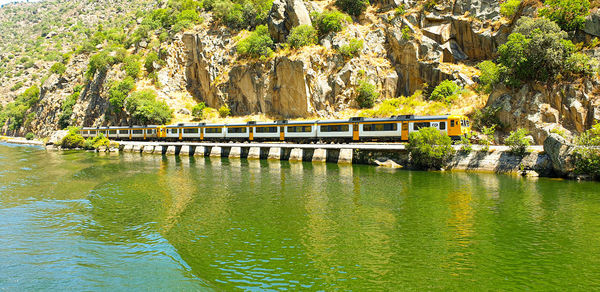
<point>87,221</point>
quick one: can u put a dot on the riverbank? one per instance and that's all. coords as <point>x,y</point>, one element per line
<point>21,141</point>
<point>498,159</point>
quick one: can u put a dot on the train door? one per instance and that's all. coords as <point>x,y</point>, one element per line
<point>180,133</point>
<point>404,131</point>
<point>161,132</point>
<point>355,133</point>
<point>281,133</point>
<point>454,128</point>
<point>251,134</point>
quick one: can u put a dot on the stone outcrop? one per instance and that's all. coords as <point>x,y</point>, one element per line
<point>285,15</point>
<point>592,24</point>
<point>540,109</point>
<point>560,153</point>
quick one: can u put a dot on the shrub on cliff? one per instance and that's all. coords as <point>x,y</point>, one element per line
<point>539,50</point>
<point>446,91</point>
<point>518,142</point>
<point>302,35</point>
<point>329,21</point>
<point>149,62</point>
<point>58,68</point>
<point>352,49</point>
<point>568,14</point>
<point>118,92</point>
<point>509,8</point>
<point>29,136</point>
<point>64,119</point>
<point>240,14</point>
<point>132,66</point>
<point>490,75</point>
<point>198,111</point>
<point>258,44</point>
<point>429,148</point>
<point>352,7</point>
<point>367,94</point>
<point>224,111</point>
<point>143,106</point>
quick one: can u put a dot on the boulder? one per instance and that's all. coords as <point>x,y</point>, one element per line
<point>57,137</point>
<point>284,15</point>
<point>480,9</point>
<point>592,24</point>
<point>560,152</point>
<point>184,111</point>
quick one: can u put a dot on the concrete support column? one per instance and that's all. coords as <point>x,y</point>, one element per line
<point>128,148</point>
<point>148,149</point>
<point>345,156</point>
<point>170,150</point>
<point>199,151</point>
<point>215,152</point>
<point>186,150</point>
<point>320,155</point>
<point>235,152</point>
<point>274,153</point>
<point>296,154</point>
<point>254,153</point>
<point>137,148</point>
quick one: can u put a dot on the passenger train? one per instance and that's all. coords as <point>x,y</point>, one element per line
<point>393,129</point>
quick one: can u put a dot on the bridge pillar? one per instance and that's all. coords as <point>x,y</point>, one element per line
<point>345,156</point>
<point>254,153</point>
<point>171,150</point>
<point>296,154</point>
<point>148,149</point>
<point>235,152</point>
<point>199,151</point>
<point>128,148</point>
<point>215,152</point>
<point>320,155</point>
<point>187,150</point>
<point>274,153</point>
<point>137,148</point>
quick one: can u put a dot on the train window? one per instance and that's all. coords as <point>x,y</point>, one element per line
<point>150,131</point>
<point>138,132</point>
<point>190,131</point>
<point>380,127</point>
<point>123,132</point>
<point>213,130</point>
<point>299,129</point>
<point>236,130</point>
<point>266,129</point>
<point>442,125</point>
<point>112,132</point>
<point>451,123</point>
<point>418,126</point>
<point>335,128</point>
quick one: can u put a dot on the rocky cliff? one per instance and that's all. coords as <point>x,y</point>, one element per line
<point>408,46</point>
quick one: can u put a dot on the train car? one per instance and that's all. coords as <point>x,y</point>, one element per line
<point>393,129</point>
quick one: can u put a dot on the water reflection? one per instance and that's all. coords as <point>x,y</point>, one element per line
<point>253,224</point>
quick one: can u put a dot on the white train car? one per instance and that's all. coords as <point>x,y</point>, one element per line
<point>301,131</point>
<point>336,130</point>
<point>266,131</point>
<point>237,132</point>
<point>214,132</point>
<point>379,129</point>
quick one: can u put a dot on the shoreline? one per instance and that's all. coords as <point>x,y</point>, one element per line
<point>21,141</point>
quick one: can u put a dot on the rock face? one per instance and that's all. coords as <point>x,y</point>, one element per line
<point>592,24</point>
<point>285,15</point>
<point>540,109</point>
<point>560,152</point>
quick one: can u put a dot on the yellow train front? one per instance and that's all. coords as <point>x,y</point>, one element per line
<point>393,129</point>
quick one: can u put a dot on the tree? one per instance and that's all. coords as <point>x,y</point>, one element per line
<point>446,91</point>
<point>568,14</point>
<point>258,44</point>
<point>143,106</point>
<point>367,94</point>
<point>330,21</point>
<point>518,142</point>
<point>352,7</point>
<point>429,148</point>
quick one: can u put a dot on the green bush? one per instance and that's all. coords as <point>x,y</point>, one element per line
<point>429,148</point>
<point>367,94</point>
<point>580,63</point>
<point>568,14</point>
<point>224,111</point>
<point>407,35</point>
<point>58,68</point>
<point>538,50</point>
<point>143,107</point>
<point>132,66</point>
<point>486,117</point>
<point>29,136</point>
<point>518,142</point>
<point>330,21</point>
<point>64,119</point>
<point>96,142</point>
<point>72,139</point>
<point>118,92</point>
<point>587,156</point>
<point>149,62</point>
<point>490,75</point>
<point>446,91</point>
<point>488,137</point>
<point>258,44</point>
<point>198,111</point>
<point>352,49</point>
<point>352,7</point>
<point>99,63</point>
<point>17,86</point>
<point>302,35</point>
<point>509,8</point>
<point>240,14</point>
